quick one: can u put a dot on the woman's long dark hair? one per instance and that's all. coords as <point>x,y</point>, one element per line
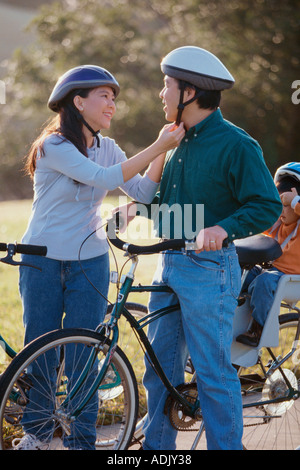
<point>67,124</point>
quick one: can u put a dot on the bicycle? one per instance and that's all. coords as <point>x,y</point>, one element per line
<point>12,249</point>
<point>268,389</point>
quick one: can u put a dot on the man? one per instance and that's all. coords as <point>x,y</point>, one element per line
<point>220,167</point>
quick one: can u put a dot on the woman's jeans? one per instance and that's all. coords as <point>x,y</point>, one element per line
<point>61,296</point>
<point>261,285</point>
<point>207,293</point>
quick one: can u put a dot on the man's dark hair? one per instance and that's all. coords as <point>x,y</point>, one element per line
<point>208,99</point>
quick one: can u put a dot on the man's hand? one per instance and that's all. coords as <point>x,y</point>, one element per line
<point>211,238</point>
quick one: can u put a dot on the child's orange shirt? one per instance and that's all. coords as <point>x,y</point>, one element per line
<point>289,261</point>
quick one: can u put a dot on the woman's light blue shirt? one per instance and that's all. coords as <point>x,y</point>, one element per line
<point>68,192</point>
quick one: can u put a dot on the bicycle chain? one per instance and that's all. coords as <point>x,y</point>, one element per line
<point>265,416</point>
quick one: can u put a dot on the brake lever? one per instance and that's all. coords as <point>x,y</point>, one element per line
<point>8,259</point>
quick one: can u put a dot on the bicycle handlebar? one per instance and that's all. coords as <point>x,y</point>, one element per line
<point>156,248</point>
<point>174,244</point>
<point>112,228</point>
<point>23,249</point>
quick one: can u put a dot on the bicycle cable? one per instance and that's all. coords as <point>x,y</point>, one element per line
<point>82,269</point>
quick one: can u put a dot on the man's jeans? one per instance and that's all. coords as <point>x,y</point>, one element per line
<point>207,293</point>
<point>261,285</point>
<point>59,296</point>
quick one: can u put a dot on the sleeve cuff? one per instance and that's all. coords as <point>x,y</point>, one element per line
<point>295,201</point>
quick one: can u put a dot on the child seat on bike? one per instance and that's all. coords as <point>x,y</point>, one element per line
<point>261,250</point>
<point>262,283</point>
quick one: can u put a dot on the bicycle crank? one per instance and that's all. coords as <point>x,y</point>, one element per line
<point>179,418</point>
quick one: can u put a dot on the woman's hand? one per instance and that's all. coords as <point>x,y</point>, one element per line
<point>127,213</point>
<point>170,136</point>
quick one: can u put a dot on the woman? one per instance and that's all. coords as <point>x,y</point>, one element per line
<point>73,167</point>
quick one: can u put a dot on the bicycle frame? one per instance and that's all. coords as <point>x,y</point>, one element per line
<point>120,309</point>
<point>111,329</point>
<point>6,347</point>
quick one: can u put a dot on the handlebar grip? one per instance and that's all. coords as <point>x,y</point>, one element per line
<point>25,249</point>
<point>173,244</point>
<point>31,249</point>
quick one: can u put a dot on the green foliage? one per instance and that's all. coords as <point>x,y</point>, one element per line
<point>13,222</point>
<point>258,40</point>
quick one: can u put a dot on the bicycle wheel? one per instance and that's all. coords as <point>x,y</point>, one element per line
<point>274,425</point>
<point>36,394</point>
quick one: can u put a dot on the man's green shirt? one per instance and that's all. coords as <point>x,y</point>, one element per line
<point>219,169</point>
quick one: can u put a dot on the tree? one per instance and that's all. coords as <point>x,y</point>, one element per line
<point>257,40</point>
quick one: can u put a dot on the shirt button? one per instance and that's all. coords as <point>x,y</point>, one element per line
<point>179,160</point>
<point>186,140</point>
<point>233,235</point>
<point>174,185</point>
<point>195,135</point>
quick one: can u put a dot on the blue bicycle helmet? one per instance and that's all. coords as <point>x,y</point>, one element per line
<point>288,169</point>
<point>84,76</point>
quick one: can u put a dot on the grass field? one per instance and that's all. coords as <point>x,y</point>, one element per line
<point>14,217</point>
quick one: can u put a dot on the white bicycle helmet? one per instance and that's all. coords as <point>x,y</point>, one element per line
<point>196,66</point>
<point>288,169</point>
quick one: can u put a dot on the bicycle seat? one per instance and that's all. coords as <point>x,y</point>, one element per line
<point>257,249</point>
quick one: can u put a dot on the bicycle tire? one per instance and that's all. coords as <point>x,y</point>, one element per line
<point>274,426</point>
<point>116,401</point>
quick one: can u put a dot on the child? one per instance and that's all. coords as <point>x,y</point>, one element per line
<point>262,283</point>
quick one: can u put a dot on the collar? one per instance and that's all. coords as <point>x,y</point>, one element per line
<point>212,119</point>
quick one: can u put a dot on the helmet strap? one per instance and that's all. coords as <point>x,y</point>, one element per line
<point>183,85</point>
<point>181,106</point>
<point>92,131</point>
